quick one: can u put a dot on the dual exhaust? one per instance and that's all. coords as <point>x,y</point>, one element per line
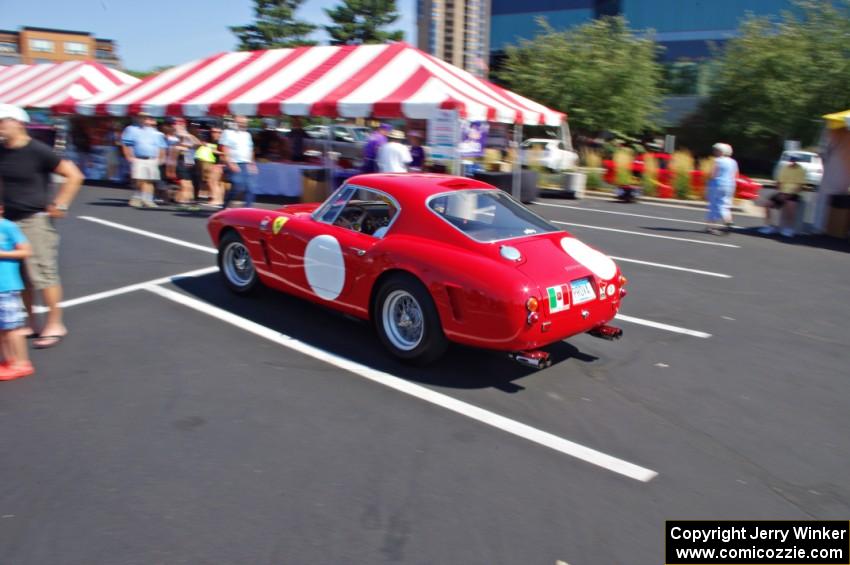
<point>539,359</point>
<point>606,332</point>
<point>536,359</point>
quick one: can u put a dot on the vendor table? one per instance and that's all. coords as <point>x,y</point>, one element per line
<point>282,179</point>
<point>528,185</point>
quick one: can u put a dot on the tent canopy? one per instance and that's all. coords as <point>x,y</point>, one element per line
<point>44,85</point>
<point>352,81</point>
<point>838,120</point>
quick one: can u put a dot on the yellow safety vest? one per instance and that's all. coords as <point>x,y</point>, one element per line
<point>205,153</point>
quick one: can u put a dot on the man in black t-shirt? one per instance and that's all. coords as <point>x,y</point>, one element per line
<point>25,169</point>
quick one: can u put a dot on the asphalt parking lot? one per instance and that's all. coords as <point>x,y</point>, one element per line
<point>178,423</point>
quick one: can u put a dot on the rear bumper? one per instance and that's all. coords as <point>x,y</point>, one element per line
<point>549,329</point>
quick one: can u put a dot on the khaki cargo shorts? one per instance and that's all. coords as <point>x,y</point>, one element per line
<point>42,268</point>
<point>145,170</point>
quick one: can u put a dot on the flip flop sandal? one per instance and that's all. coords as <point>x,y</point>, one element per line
<point>54,340</point>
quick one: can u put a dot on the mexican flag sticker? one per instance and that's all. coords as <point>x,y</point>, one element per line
<point>559,298</point>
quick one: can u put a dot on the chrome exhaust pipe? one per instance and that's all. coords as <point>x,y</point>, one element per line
<point>606,332</point>
<point>535,359</point>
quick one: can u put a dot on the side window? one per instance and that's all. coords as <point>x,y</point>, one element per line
<point>341,134</point>
<point>367,211</point>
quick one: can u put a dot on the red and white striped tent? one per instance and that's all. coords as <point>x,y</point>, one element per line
<point>45,85</point>
<point>365,81</point>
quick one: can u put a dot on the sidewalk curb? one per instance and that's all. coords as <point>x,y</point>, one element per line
<point>746,207</point>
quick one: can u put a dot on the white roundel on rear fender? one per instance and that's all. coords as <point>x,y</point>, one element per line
<point>324,266</point>
<point>599,264</point>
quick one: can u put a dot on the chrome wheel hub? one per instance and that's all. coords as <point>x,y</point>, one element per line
<point>238,267</point>
<point>403,320</point>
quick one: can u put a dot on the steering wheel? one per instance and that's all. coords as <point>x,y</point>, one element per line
<point>344,220</point>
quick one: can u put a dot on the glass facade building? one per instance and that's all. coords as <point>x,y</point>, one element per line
<point>686,28</point>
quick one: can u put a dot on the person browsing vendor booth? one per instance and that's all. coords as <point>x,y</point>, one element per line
<point>394,156</point>
<point>144,148</point>
<point>239,156</point>
<point>373,146</point>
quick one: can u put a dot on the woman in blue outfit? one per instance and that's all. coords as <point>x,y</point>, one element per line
<point>721,190</point>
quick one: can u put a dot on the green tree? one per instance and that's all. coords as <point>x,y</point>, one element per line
<point>360,21</point>
<point>274,26</point>
<point>146,74</point>
<point>777,78</point>
<point>602,74</point>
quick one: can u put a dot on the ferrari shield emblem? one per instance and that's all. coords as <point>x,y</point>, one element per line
<point>278,224</point>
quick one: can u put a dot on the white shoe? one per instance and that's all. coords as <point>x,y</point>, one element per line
<point>787,232</point>
<point>135,202</point>
<point>767,230</point>
<point>149,204</point>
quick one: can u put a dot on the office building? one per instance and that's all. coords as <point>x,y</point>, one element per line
<point>32,45</point>
<point>690,31</point>
<point>456,31</point>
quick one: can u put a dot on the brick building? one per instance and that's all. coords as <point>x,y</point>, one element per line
<point>32,45</point>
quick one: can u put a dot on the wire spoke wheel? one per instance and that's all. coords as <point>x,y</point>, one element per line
<point>403,320</point>
<point>236,265</point>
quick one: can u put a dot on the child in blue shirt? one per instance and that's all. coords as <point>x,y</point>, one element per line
<point>13,249</point>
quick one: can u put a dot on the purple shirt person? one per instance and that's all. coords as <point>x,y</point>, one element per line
<point>417,152</point>
<point>370,151</point>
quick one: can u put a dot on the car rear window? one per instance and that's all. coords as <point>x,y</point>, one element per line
<point>488,215</point>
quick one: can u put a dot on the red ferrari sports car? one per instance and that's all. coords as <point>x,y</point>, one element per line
<point>428,259</point>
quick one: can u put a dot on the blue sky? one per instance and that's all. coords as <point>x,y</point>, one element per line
<point>152,33</point>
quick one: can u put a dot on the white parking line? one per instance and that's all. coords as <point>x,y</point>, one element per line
<point>514,427</point>
<point>671,267</point>
<point>129,288</point>
<point>660,326</point>
<point>648,234</point>
<point>150,234</point>
<point>584,209</point>
<point>648,203</point>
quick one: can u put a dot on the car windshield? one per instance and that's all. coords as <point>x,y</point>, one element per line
<point>801,157</point>
<point>488,215</point>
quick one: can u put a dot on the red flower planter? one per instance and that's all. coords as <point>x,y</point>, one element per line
<point>664,190</point>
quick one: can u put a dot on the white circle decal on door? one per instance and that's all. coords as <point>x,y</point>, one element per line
<point>324,266</point>
<point>599,264</point>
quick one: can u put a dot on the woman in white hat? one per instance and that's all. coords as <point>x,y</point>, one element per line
<point>721,189</point>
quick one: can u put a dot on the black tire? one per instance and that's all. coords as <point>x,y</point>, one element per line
<point>239,278</point>
<point>397,292</point>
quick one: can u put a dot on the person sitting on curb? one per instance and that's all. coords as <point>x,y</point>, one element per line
<point>792,177</point>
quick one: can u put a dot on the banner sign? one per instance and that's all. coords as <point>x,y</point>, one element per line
<point>443,135</point>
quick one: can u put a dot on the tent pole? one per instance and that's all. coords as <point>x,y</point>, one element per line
<point>516,188</point>
<point>329,166</point>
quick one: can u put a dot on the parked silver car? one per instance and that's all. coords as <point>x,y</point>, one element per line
<point>346,140</point>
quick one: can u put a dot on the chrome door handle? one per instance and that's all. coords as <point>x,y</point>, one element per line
<point>360,252</point>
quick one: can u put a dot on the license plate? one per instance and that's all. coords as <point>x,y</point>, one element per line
<point>582,291</point>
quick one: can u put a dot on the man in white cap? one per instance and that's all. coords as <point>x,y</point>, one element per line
<point>25,168</point>
<point>394,156</point>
